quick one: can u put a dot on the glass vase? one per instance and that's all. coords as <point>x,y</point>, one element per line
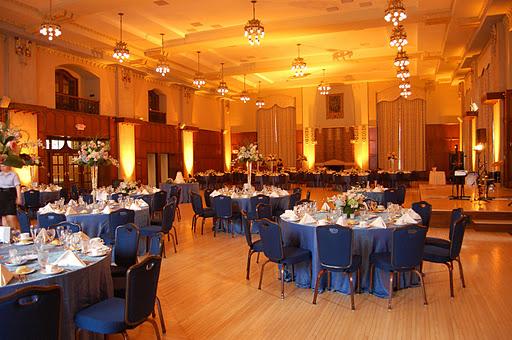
<point>249,174</point>
<point>94,177</point>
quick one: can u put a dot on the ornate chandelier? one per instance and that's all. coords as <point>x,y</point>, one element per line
<point>324,87</point>
<point>403,73</point>
<point>199,80</point>
<point>299,65</point>
<point>121,52</point>
<point>244,96</point>
<point>254,31</point>
<point>405,93</point>
<point>398,37</point>
<point>404,85</point>
<point>49,28</point>
<point>223,87</point>
<point>395,13</point>
<point>163,66</point>
<point>401,59</point>
<point>259,102</point>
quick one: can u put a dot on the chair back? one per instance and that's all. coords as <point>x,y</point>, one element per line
<point>222,206</point>
<point>24,220</point>
<point>159,200</point>
<point>32,198</point>
<point>264,211</point>
<point>197,203</point>
<point>168,215</point>
<point>207,197</point>
<point>308,195</point>
<point>75,192</point>
<point>457,236</point>
<point>156,244</point>
<point>141,287</point>
<point>117,196</point>
<point>247,229</point>
<point>391,196</point>
<point>119,217</point>
<point>424,209</point>
<point>334,246</point>
<point>298,190</point>
<point>64,193</point>
<point>39,308</point>
<point>73,227</point>
<point>456,214</point>
<point>87,198</point>
<point>46,220</point>
<point>258,199</point>
<point>272,240</point>
<point>294,198</point>
<point>401,194</point>
<point>407,246</point>
<point>127,245</point>
<point>303,201</point>
<point>176,192</point>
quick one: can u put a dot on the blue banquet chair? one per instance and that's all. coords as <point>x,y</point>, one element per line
<point>446,256</point>
<point>200,211</point>
<point>272,242</point>
<point>335,245</point>
<point>391,196</point>
<point>254,246</point>
<point>117,218</point>
<point>156,248</point>
<point>424,209</point>
<point>207,197</point>
<point>24,220</point>
<point>223,208</point>
<point>264,211</point>
<point>117,196</point>
<point>32,200</point>
<point>125,255</point>
<point>73,227</point>
<point>440,242</point>
<point>31,312</point>
<point>176,192</point>
<point>116,315</point>
<point>157,208</point>
<point>401,190</point>
<point>406,255</point>
<point>251,214</point>
<point>167,225</point>
<point>46,220</point>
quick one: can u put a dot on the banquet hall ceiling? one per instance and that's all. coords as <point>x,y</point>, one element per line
<point>349,38</point>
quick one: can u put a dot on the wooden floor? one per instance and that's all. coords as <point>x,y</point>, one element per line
<point>205,296</point>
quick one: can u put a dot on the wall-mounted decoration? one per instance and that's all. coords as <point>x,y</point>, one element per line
<point>335,106</point>
<point>23,48</point>
<point>126,76</point>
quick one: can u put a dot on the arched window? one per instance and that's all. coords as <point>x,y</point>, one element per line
<point>156,106</point>
<point>76,89</point>
<point>65,83</point>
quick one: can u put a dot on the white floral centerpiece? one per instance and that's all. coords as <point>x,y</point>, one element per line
<point>127,187</point>
<point>349,202</point>
<point>248,154</point>
<point>94,154</point>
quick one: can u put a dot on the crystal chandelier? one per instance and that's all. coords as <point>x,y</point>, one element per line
<point>223,87</point>
<point>199,79</point>
<point>299,65</point>
<point>398,37</point>
<point>121,52</point>
<point>403,73</point>
<point>49,28</point>
<point>163,66</point>
<point>254,31</point>
<point>405,93</point>
<point>259,102</point>
<point>244,96</point>
<point>324,87</point>
<point>401,60</point>
<point>395,13</point>
<point>404,85</point>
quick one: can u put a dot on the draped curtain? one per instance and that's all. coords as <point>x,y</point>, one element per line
<point>401,129</point>
<point>276,133</point>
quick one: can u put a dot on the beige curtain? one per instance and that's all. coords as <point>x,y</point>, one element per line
<point>387,131</point>
<point>276,133</point>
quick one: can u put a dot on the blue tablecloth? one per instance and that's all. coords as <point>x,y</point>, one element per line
<point>376,196</point>
<point>186,189</point>
<point>45,197</point>
<point>366,242</point>
<point>81,287</point>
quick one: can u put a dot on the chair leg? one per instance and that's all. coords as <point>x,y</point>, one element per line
<point>173,243</point>
<point>351,283</point>
<point>293,273</point>
<point>155,327</point>
<point>258,257</point>
<point>194,219</point>
<point>77,333</point>
<point>202,227</point>
<point>422,282</point>
<point>318,277</point>
<point>372,268</point>
<point>391,275</point>
<point>232,228</point>
<point>329,280</point>
<point>161,315</point>
<point>249,255</point>
<point>178,213</point>
<point>125,335</point>
<point>282,281</point>
<point>461,272</point>
<point>175,234</point>
<point>450,273</point>
<point>358,276</point>
<point>261,273</point>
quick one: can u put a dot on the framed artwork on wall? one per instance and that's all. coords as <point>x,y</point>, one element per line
<point>335,106</point>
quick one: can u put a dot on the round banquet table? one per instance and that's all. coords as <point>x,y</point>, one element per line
<point>81,287</point>
<point>45,197</point>
<point>366,242</point>
<point>186,189</point>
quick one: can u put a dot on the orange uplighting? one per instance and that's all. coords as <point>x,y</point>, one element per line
<point>126,134</point>
<point>188,152</point>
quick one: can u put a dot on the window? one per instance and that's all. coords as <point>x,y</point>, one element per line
<point>156,103</point>
<point>66,94</point>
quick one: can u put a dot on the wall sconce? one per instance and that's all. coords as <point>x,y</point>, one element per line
<point>23,48</point>
<point>182,126</point>
<point>80,127</point>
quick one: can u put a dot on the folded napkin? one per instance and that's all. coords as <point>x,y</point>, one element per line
<point>72,203</point>
<point>414,214</point>
<point>215,193</point>
<point>342,221</point>
<point>326,207</point>
<point>377,189</point>
<point>274,194</point>
<point>141,203</point>
<point>5,276</point>
<point>96,243</point>
<point>71,211</point>
<point>134,206</point>
<point>307,219</point>
<point>69,259</point>
<point>46,209</point>
<point>323,221</point>
<point>5,234</point>
<point>378,223</point>
<point>289,215</point>
<point>405,219</point>
<point>106,210</point>
<point>82,235</point>
<point>42,236</point>
<point>179,178</point>
<point>102,196</point>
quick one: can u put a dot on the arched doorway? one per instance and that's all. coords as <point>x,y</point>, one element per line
<point>76,89</point>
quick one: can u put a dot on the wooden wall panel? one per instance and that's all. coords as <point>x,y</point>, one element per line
<point>507,138</point>
<point>440,141</point>
<point>208,150</point>
<point>334,143</point>
<point>243,138</point>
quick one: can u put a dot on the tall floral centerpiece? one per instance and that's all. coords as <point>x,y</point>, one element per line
<point>347,202</point>
<point>10,147</point>
<point>248,154</point>
<point>271,159</point>
<point>392,158</point>
<point>94,154</point>
<point>301,159</point>
<point>31,158</point>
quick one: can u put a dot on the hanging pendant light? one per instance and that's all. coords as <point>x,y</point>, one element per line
<point>324,87</point>
<point>403,73</point>
<point>405,88</point>
<point>199,80</point>
<point>121,52</point>
<point>402,60</point>
<point>223,87</point>
<point>299,66</point>
<point>254,31</point>
<point>259,102</point>
<point>244,96</point>
<point>395,13</point>
<point>398,37</point>
<point>162,67</point>
<point>49,28</point>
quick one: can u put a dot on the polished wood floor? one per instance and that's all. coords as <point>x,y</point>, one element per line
<point>205,296</point>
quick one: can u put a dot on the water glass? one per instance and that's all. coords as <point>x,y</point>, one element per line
<point>42,258</point>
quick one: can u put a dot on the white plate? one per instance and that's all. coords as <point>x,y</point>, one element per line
<point>55,271</point>
<point>22,262</point>
<point>24,243</point>
<point>98,254</point>
<point>25,273</point>
<point>30,257</point>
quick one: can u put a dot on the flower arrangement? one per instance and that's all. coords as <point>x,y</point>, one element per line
<point>248,153</point>
<point>29,153</point>
<point>302,158</point>
<point>10,147</point>
<point>94,153</point>
<point>127,187</point>
<point>271,158</point>
<point>349,202</point>
<point>392,156</point>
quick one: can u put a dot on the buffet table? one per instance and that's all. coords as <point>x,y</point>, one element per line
<point>186,190</point>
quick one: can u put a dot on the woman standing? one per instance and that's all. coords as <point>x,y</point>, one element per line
<point>10,195</point>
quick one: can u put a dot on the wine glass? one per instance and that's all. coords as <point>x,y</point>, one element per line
<point>51,234</point>
<point>42,258</point>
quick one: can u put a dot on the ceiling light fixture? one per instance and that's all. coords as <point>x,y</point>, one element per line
<point>402,60</point>
<point>403,73</point>
<point>299,66</point>
<point>121,52</point>
<point>259,102</point>
<point>254,31</point>
<point>162,67</point>
<point>324,87</point>
<point>398,37</point>
<point>223,87</point>
<point>49,28</point>
<point>405,93</point>
<point>395,13</point>
<point>199,80</point>
<point>244,96</point>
